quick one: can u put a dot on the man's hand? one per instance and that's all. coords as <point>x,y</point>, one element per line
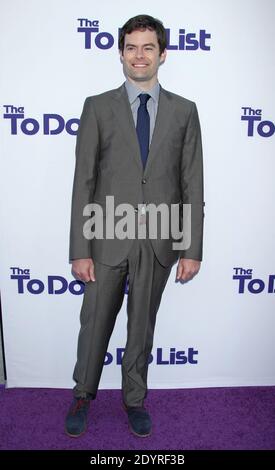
<point>187,269</point>
<point>84,269</point>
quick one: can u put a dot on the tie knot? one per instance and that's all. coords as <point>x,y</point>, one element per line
<point>144,97</point>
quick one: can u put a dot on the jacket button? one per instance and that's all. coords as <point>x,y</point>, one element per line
<point>144,181</point>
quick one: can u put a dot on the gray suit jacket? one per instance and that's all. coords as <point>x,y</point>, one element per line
<point>108,162</point>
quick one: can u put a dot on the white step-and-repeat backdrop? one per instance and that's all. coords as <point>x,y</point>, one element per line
<point>219,329</point>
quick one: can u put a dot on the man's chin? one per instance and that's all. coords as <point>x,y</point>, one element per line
<point>140,78</point>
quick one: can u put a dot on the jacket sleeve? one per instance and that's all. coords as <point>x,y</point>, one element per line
<point>192,183</point>
<point>87,150</point>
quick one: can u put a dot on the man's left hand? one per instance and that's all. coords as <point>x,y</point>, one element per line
<point>187,269</point>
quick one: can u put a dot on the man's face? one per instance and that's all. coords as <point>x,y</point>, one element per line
<point>141,56</point>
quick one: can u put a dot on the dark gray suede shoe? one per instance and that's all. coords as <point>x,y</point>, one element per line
<point>139,421</point>
<point>76,419</point>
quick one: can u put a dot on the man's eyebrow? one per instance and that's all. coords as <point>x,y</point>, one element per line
<point>144,45</point>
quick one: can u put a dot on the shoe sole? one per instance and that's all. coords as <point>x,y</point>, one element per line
<point>75,435</point>
<point>139,435</point>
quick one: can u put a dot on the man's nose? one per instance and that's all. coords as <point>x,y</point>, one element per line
<point>139,53</point>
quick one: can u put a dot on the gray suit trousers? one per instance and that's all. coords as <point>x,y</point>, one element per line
<point>101,304</point>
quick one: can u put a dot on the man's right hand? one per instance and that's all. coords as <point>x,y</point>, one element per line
<point>84,269</point>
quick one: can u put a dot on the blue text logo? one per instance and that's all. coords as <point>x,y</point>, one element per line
<point>253,118</point>
<point>160,357</point>
<point>246,282</point>
<point>185,41</point>
<point>51,124</point>
<point>53,285</point>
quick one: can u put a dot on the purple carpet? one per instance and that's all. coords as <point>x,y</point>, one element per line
<point>205,419</point>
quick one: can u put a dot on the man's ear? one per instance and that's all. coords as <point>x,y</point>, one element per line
<point>121,56</point>
<point>163,56</point>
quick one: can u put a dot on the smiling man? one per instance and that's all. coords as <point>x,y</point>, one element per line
<point>141,145</point>
<point>141,58</point>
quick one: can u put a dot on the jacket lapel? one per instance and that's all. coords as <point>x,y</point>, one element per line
<point>124,117</point>
<point>162,124</point>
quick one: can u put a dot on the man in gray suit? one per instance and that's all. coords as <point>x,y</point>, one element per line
<point>141,145</point>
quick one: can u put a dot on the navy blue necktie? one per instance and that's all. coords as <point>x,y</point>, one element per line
<point>143,127</point>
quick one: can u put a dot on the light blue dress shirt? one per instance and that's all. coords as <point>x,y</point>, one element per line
<point>152,104</point>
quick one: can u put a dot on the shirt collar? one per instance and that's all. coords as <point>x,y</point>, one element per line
<point>133,91</point>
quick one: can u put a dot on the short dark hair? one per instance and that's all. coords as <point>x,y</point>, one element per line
<point>142,22</point>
